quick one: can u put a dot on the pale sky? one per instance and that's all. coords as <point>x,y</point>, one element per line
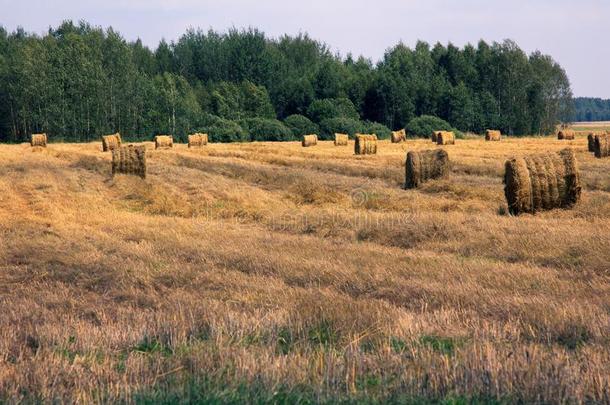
<point>574,32</point>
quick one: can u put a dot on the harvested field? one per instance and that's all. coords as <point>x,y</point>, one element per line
<point>268,272</point>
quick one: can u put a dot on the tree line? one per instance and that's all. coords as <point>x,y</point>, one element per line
<point>591,109</point>
<point>79,81</point>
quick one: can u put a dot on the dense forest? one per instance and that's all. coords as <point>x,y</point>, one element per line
<point>79,81</point>
<point>591,109</point>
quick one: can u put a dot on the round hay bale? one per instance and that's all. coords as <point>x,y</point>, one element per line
<point>566,134</point>
<point>434,136</point>
<point>129,160</point>
<point>39,140</point>
<point>341,139</point>
<point>425,165</point>
<point>542,182</point>
<point>399,136</point>
<point>445,138</point>
<point>164,142</point>
<point>309,140</point>
<point>197,140</point>
<point>111,142</point>
<point>493,135</point>
<point>601,146</point>
<point>591,142</point>
<point>365,144</point>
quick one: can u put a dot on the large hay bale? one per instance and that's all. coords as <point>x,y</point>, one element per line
<point>164,141</point>
<point>591,139</point>
<point>566,134</point>
<point>591,142</point>
<point>129,160</point>
<point>111,142</point>
<point>425,165</point>
<point>198,140</point>
<point>365,144</point>
<point>601,146</point>
<point>445,138</point>
<point>399,136</point>
<point>309,140</point>
<point>341,139</point>
<point>39,140</point>
<point>493,135</point>
<point>434,136</point>
<point>542,182</point>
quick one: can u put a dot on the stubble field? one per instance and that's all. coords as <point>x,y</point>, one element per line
<point>270,272</point>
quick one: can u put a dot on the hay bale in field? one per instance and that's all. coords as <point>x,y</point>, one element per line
<point>542,182</point>
<point>601,146</point>
<point>365,144</point>
<point>341,139</point>
<point>399,136</point>
<point>309,140</point>
<point>591,142</point>
<point>164,141</point>
<point>111,142</point>
<point>493,135</point>
<point>566,134</point>
<point>434,136</point>
<point>129,160</point>
<point>445,138</point>
<point>39,140</point>
<point>425,165</point>
<point>198,140</point>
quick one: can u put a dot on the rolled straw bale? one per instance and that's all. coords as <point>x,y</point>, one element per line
<point>111,142</point>
<point>566,134</point>
<point>129,160</point>
<point>601,146</point>
<point>164,141</point>
<point>365,144</point>
<point>399,136</point>
<point>309,140</point>
<point>198,140</point>
<point>542,182</point>
<point>493,135</point>
<point>341,139</point>
<point>445,138</point>
<point>591,142</point>
<point>425,165</point>
<point>39,140</point>
<point>434,136</point>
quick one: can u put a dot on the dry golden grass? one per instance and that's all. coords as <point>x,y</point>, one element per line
<point>268,272</point>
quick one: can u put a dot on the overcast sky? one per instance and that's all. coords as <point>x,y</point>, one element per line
<point>574,32</point>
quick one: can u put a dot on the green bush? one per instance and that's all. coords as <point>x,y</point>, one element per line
<point>301,125</point>
<point>342,125</point>
<point>264,129</point>
<point>222,130</point>
<point>327,108</point>
<point>378,129</point>
<point>425,124</point>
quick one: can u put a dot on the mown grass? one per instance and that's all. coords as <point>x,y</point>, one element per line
<point>267,272</point>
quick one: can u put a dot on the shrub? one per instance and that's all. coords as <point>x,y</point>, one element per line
<point>222,130</point>
<point>301,125</point>
<point>342,125</point>
<point>264,129</point>
<point>425,124</point>
<point>378,129</point>
<point>327,108</point>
